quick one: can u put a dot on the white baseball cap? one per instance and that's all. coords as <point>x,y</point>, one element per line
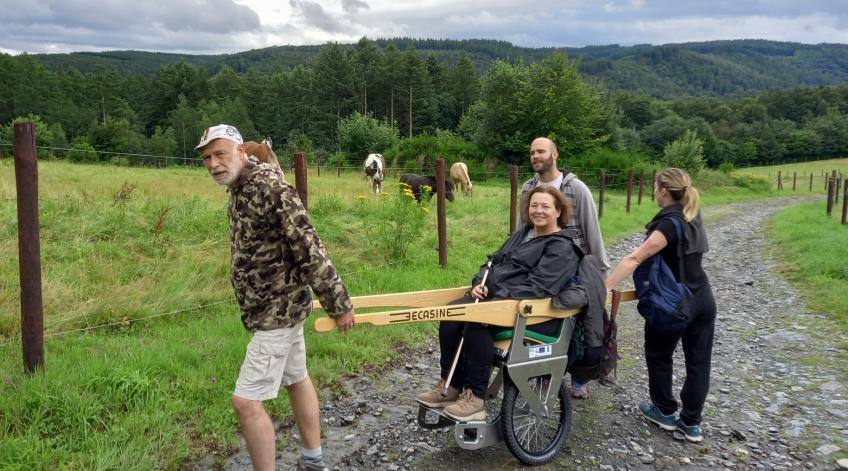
<point>221,131</point>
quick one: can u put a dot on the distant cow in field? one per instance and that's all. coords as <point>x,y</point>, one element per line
<point>459,176</point>
<point>375,168</point>
<point>263,151</point>
<point>417,181</point>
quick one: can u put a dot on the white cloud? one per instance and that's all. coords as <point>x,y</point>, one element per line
<point>225,26</point>
<point>628,5</point>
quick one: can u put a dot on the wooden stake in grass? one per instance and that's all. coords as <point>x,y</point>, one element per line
<point>603,183</point>
<point>845,206</point>
<point>830,187</point>
<point>29,246</point>
<point>513,196</point>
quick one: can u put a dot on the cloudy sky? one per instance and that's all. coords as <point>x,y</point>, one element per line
<point>225,26</point>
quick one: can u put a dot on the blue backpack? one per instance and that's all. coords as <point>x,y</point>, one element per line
<point>665,303</point>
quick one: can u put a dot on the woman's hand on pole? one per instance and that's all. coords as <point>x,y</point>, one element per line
<point>479,292</point>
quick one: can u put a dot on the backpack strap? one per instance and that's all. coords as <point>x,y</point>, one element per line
<point>679,230</point>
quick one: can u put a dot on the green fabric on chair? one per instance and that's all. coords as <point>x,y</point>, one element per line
<point>507,334</point>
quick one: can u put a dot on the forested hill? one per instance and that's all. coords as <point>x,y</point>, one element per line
<point>715,68</point>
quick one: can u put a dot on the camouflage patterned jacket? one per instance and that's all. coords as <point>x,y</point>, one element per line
<point>276,253</point>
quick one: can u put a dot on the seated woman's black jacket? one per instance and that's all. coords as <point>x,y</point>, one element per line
<point>537,268</point>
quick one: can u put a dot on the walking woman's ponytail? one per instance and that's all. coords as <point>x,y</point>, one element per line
<point>678,183</point>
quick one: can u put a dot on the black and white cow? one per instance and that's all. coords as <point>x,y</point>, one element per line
<point>375,168</point>
<point>417,181</point>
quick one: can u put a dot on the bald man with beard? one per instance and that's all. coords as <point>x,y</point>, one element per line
<point>584,222</point>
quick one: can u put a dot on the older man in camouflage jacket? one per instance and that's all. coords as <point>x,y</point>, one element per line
<point>276,257</point>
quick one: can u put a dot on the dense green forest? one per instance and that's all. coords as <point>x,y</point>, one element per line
<point>716,68</point>
<point>476,100</point>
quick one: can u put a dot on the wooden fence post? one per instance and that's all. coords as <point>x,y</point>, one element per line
<point>513,195</point>
<point>300,179</point>
<point>836,191</point>
<point>29,245</point>
<point>779,181</point>
<point>845,205</point>
<point>830,184</point>
<point>602,180</point>
<point>440,212</point>
<point>811,181</point>
<point>653,179</point>
<point>338,169</point>
<point>629,189</point>
<point>794,179</point>
<point>641,186</point>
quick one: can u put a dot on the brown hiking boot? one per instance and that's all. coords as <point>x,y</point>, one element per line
<point>434,398</point>
<point>467,408</point>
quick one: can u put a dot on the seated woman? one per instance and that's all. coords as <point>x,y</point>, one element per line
<point>535,262</point>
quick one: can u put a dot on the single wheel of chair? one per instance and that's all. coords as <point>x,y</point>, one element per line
<point>533,439</point>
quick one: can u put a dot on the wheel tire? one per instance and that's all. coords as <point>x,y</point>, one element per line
<point>532,439</point>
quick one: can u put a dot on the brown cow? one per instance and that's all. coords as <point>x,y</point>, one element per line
<point>459,176</point>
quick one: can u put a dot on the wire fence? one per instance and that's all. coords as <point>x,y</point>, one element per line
<point>616,180</point>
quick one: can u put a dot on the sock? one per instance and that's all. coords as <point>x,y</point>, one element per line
<point>313,454</point>
<point>576,384</point>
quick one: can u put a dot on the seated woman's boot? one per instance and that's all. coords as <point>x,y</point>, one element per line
<point>467,407</point>
<point>434,398</point>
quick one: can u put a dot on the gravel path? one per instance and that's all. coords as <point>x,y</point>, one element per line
<point>778,399</point>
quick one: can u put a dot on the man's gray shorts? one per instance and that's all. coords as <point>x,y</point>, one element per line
<point>273,358</point>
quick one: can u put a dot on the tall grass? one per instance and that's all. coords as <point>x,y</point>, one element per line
<point>153,395</point>
<point>813,249</point>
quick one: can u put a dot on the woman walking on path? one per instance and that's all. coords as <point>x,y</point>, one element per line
<point>677,198</point>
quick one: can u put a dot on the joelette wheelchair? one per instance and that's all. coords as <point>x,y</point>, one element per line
<point>527,403</point>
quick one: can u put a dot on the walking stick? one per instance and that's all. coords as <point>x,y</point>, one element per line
<point>462,339</point>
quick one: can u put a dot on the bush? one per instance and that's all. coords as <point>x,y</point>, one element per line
<point>686,152</point>
<point>726,168</point>
<point>399,221</point>
<point>423,150</point>
<point>615,163</point>
<point>360,135</point>
<point>82,151</point>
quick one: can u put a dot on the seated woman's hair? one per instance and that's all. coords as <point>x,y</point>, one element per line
<point>560,203</point>
<point>678,183</point>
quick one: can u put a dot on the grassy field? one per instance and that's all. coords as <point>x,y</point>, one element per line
<point>120,244</point>
<point>813,248</point>
<point>818,169</point>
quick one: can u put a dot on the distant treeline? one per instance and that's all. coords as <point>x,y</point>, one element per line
<point>412,93</point>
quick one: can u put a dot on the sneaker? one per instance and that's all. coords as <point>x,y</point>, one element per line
<point>467,407</point>
<point>434,398</point>
<point>305,464</point>
<point>666,422</point>
<point>579,391</point>
<point>691,433</point>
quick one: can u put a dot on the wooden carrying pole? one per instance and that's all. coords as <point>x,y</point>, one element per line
<point>424,306</point>
<point>29,246</point>
<point>440,212</point>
